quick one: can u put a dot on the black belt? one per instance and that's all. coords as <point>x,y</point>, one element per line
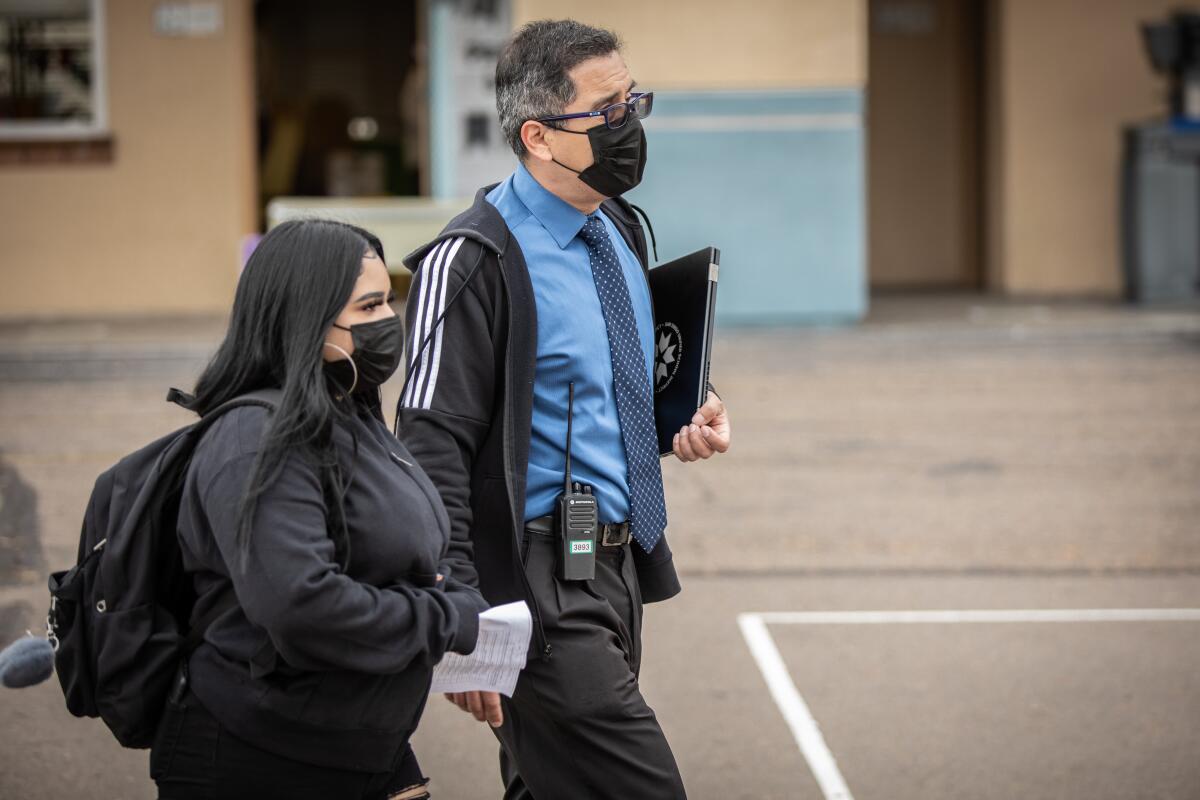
<point>612,534</point>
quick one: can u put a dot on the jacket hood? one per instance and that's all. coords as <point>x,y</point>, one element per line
<point>481,223</point>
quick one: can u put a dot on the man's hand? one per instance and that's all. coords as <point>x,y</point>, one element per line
<point>485,706</point>
<point>709,432</point>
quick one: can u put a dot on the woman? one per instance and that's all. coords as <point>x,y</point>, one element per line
<point>322,538</point>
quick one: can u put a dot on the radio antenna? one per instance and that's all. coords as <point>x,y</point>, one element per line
<point>570,414</point>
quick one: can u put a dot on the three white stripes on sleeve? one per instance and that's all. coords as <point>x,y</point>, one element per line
<point>432,280</point>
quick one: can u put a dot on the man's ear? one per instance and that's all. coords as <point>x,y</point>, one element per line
<point>533,135</point>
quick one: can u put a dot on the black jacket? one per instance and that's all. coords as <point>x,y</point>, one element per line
<point>466,415</point>
<point>317,663</point>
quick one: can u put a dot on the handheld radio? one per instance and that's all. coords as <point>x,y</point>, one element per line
<point>577,518</point>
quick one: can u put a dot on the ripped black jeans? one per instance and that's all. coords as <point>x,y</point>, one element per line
<point>195,757</point>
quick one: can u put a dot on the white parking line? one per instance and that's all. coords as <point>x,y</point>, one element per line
<point>1005,615</point>
<point>795,711</point>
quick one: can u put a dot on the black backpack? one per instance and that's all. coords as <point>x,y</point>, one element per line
<point>119,619</point>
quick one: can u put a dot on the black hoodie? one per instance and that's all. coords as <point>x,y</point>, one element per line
<point>468,421</point>
<point>316,662</point>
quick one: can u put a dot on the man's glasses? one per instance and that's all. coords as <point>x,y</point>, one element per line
<point>615,116</point>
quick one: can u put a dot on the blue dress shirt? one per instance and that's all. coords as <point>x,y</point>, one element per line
<point>572,345</point>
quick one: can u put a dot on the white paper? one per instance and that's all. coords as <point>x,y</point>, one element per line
<point>498,657</point>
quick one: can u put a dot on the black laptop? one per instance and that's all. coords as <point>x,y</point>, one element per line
<point>685,298</point>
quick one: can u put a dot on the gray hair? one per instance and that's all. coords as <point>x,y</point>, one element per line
<point>532,78</point>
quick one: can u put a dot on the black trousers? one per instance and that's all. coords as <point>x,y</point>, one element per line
<point>195,757</point>
<point>577,725</point>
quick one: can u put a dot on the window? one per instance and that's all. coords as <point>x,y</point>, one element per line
<point>52,81</point>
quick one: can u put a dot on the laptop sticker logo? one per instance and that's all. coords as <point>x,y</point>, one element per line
<point>668,353</point>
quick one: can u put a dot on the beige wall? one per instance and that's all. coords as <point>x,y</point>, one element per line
<point>1066,75</point>
<point>157,230</point>
<point>716,44</point>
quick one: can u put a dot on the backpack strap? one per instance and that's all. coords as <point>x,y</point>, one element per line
<point>180,398</point>
<point>649,227</point>
<point>264,398</point>
<point>267,398</point>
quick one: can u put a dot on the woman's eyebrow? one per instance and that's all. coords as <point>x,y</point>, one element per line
<point>369,296</point>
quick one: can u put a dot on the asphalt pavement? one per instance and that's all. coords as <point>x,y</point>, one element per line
<point>952,453</point>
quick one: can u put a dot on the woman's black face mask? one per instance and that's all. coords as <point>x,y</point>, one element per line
<point>378,348</point>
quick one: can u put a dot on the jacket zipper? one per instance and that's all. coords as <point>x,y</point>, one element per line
<point>510,469</point>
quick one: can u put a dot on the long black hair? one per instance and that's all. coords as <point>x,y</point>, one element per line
<point>294,286</point>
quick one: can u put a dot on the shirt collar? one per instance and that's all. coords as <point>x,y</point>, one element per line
<point>556,215</point>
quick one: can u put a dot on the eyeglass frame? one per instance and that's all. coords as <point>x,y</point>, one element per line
<point>630,111</point>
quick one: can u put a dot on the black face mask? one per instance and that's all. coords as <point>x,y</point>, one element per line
<point>618,158</point>
<point>378,347</point>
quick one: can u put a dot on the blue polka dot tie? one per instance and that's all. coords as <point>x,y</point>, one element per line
<point>631,380</point>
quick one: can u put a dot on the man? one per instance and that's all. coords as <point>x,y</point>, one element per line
<point>540,290</point>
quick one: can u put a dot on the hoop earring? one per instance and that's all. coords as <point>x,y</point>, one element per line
<point>353,366</point>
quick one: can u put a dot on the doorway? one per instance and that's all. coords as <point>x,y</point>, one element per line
<point>924,153</point>
<point>341,99</point>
